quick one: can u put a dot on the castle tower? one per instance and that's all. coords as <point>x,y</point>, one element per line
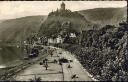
<point>62,6</point>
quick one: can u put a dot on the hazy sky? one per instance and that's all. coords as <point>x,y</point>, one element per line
<point>15,9</point>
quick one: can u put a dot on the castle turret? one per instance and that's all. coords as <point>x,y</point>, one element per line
<point>62,6</point>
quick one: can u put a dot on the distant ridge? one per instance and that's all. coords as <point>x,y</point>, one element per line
<point>105,16</point>
<point>20,28</point>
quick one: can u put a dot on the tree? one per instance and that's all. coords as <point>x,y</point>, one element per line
<point>37,79</point>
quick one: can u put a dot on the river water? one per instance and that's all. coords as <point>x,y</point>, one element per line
<point>9,56</point>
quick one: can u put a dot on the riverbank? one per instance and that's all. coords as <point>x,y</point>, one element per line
<point>80,65</point>
<point>55,72</point>
<point>77,51</point>
<point>73,54</point>
<point>8,72</point>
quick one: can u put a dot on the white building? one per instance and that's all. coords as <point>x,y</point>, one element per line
<point>51,40</point>
<point>73,35</point>
<point>59,39</point>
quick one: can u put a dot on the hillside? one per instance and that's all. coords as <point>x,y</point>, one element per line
<point>56,22</point>
<point>103,16</point>
<point>83,20</point>
<point>20,28</point>
<point>1,21</point>
<point>104,52</point>
<point>15,29</point>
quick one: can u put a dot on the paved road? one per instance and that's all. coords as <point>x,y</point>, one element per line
<point>55,71</point>
<point>76,68</point>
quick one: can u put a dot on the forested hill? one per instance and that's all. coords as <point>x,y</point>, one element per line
<point>103,53</point>
<point>83,20</point>
<point>57,20</point>
<point>20,28</point>
<point>15,29</point>
<point>105,16</point>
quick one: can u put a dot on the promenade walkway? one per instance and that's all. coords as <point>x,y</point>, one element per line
<point>55,71</point>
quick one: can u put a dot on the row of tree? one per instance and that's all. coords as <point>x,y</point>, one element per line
<point>104,52</point>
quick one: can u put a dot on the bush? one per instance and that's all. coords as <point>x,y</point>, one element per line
<point>104,53</point>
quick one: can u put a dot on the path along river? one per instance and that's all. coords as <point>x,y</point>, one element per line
<point>55,71</point>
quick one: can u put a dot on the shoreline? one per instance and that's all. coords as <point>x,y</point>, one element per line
<point>2,66</point>
<point>89,75</point>
<point>85,70</point>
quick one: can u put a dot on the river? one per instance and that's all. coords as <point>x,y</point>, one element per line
<point>9,56</point>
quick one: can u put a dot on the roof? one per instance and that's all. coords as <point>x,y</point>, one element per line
<point>63,3</point>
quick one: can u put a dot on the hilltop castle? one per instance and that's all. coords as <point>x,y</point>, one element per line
<point>62,8</point>
<point>61,11</point>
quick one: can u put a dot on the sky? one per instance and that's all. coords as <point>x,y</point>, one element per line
<point>16,9</point>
